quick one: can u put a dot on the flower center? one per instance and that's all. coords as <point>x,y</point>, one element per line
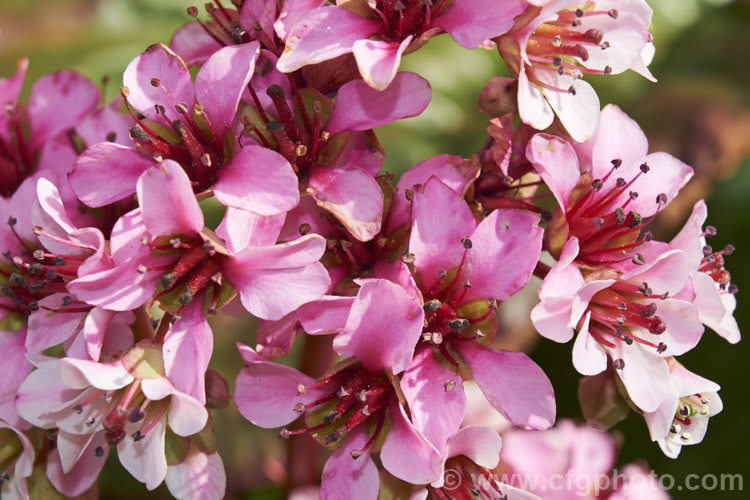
<point>402,18</point>
<point>16,159</point>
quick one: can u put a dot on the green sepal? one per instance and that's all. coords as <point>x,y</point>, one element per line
<point>176,448</point>
<point>392,488</point>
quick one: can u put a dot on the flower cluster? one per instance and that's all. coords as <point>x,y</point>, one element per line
<point>110,271</point>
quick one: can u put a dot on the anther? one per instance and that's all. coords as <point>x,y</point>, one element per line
<point>135,414</point>
<point>619,363</point>
<point>710,231</point>
<point>304,228</point>
<point>594,35</point>
<point>685,436</point>
<point>155,82</point>
<point>607,70</point>
<point>579,12</point>
<point>707,250</point>
<point>36,287</point>
<point>449,385</point>
<point>409,258</point>
<point>466,242</point>
<point>620,182</point>
<point>12,221</point>
<point>299,408</point>
<point>301,389</point>
<point>67,300</point>
<point>729,250</point>
<point>619,216</point>
<point>635,219</point>
<point>605,45</point>
<point>661,347</point>
<point>99,451</point>
<point>124,92</point>
<point>572,90</point>
<point>557,61</point>
<point>432,305</point>
<point>638,259</point>
<point>616,162</point>
<point>596,185</point>
<point>458,324</point>
<point>205,160</point>
<point>661,199</point>
<point>648,311</point>
<point>644,167</point>
<point>613,13</point>
<point>733,289</point>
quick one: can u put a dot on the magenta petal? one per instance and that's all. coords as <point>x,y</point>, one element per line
<point>441,220</point>
<point>382,341</point>
<point>327,315</point>
<point>258,180</point>
<point>556,161</point>
<point>291,12</point>
<point>221,81</point>
<point>378,60</point>
<point>200,475</point>
<point>10,87</point>
<point>120,288</point>
<point>407,454</point>
<point>158,64</point>
<point>437,412</point>
<point>16,369</point>
<point>505,249</point>
<point>107,172</point>
<point>513,384</point>
<point>274,339</point>
<point>471,22</point>
<point>352,195</point>
<point>168,205</point>
<point>241,229</point>
<point>266,392</point>
<point>345,477</point>
<point>187,350</point>
<point>360,107</point>
<point>58,102</point>
<point>48,328</point>
<point>323,34</point>
<point>193,44</point>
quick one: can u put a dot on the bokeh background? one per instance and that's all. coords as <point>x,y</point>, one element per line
<point>699,112</point>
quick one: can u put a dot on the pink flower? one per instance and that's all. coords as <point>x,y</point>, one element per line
<point>683,419</point>
<point>711,291</point>
<point>551,46</point>
<point>20,463</point>
<point>379,33</point>
<point>130,400</point>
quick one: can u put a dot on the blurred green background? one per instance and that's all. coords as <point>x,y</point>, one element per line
<point>699,111</point>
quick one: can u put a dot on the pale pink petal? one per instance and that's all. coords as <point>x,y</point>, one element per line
<point>441,219</point>
<point>198,476</point>
<point>668,273</point>
<point>158,65</point>
<point>360,107</point>
<point>407,454</point>
<point>291,12</point>
<point>555,160</point>
<point>435,396</point>
<point>241,229</point>
<point>106,331</point>
<point>728,327</point>
<point>187,349</point>
<point>578,112</point>
<point>107,172</point>
<point>58,102</point>
<point>326,315</point>
<point>323,34</point>
<point>258,180</point>
<point>186,416</point>
<point>221,81</point>
<point>120,288</point>
<point>684,327</point>
<point>512,383</point>
<point>266,392</point>
<point>382,341</point>
<point>532,106</point>
<point>625,38</point>
<point>690,239</point>
<point>193,44</point>
<point>168,205</point>
<point>78,478</point>
<point>42,392</point>
<point>478,443</point>
<point>589,357</point>
<point>667,175</point>
<point>16,368</point>
<point>81,373</point>
<point>145,459</point>
<point>352,195</point>
<point>378,60</point>
<point>505,249</point>
<point>642,371</point>
<point>345,477</point>
<point>472,22</point>
<point>617,136</point>
<point>48,328</point>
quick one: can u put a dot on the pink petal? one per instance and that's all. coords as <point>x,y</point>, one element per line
<point>382,341</point>
<point>187,349</point>
<point>168,205</point>
<point>187,415</point>
<point>198,476</point>
<point>58,102</point>
<point>378,60</point>
<point>16,369</point>
<point>193,44</point>
<point>577,112</point>
<point>106,331</point>
<point>555,160</point>
<point>221,81</point>
<point>145,459</point>
<point>478,443</point>
<point>259,13</point>
<point>472,22</point>
<point>513,384</point>
<point>352,196</point>
<point>291,12</point>
<point>505,249</point>
<point>532,106</point>
<point>158,64</point>
<point>107,172</point>
<point>345,477</point>
<point>684,327</point>
<point>274,339</point>
<point>407,454</point>
<point>667,176</point>
<point>241,229</point>
<point>258,180</point>
<point>323,34</point>
<point>589,357</point>
<point>360,107</point>
<point>436,411</point>
<point>81,476</point>
<point>690,239</point>
<point>441,219</point>
<point>326,315</point>
<point>266,392</point>
<point>81,373</point>
<point>102,124</point>
<point>668,273</point>
<point>48,328</point>
<point>641,375</point>
<point>10,87</point>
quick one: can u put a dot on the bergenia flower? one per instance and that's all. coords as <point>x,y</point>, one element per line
<point>683,419</point>
<point>130,400</point>
<point>555,42</point>
<point>712,290</point>
<point>347,408</point>
<point>379,32</point>
<point>18,462</point>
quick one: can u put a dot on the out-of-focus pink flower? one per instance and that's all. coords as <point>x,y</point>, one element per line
<point>380,32</point>
<point>555,42</point>
<point>18,456</point>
